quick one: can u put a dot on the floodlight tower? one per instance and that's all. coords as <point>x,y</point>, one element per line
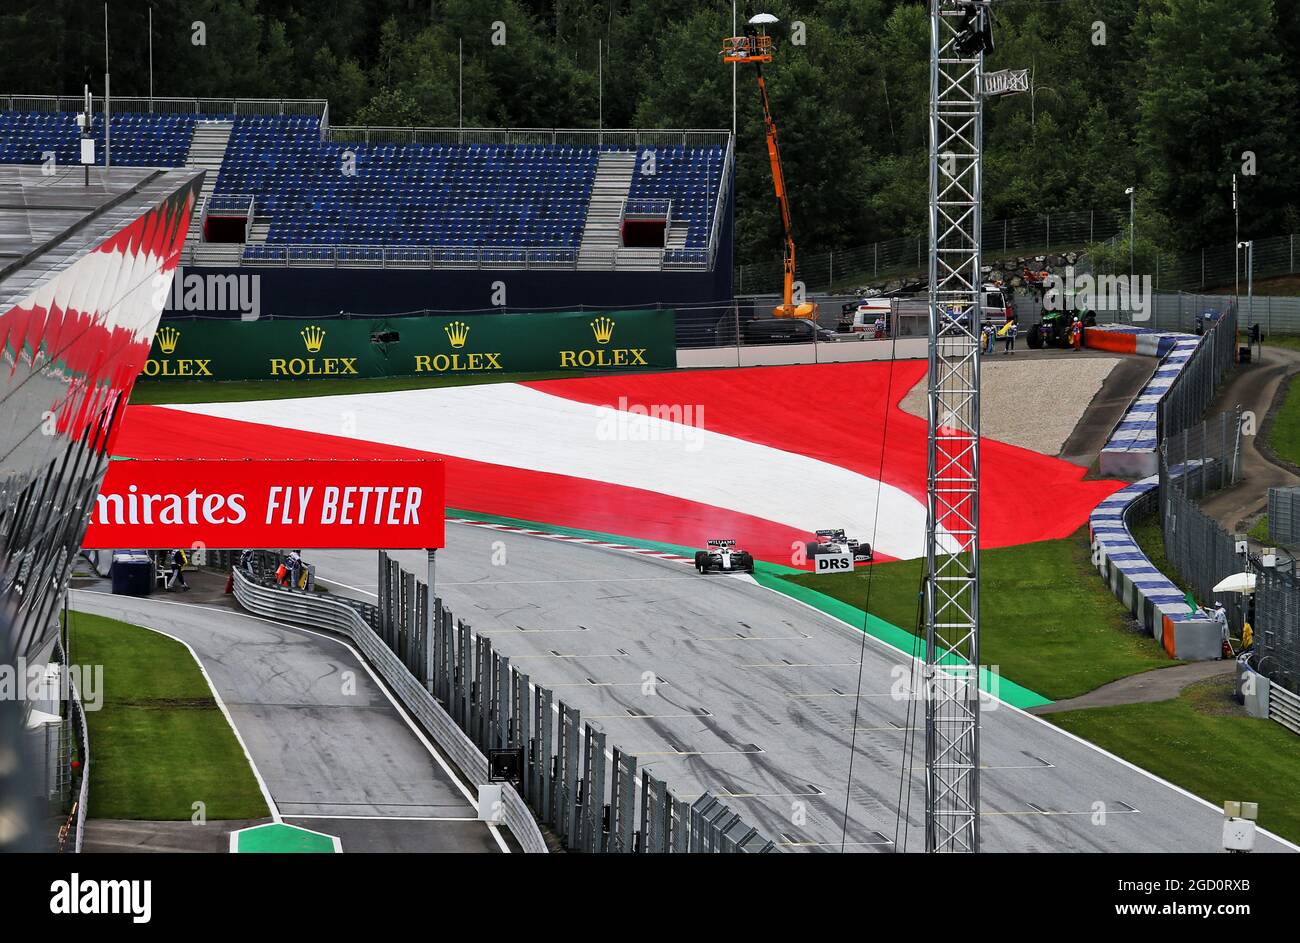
<point>960,34</point>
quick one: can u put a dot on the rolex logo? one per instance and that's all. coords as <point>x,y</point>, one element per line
<point>603,328</point>
<point>167,339</point>
<point>457,333</point>
<point>313,337</point>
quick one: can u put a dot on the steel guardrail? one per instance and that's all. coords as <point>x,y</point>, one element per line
<point>336,616</point>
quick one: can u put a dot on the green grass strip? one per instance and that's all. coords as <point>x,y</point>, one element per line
<point>1202,742</point>
<point>159,743</point>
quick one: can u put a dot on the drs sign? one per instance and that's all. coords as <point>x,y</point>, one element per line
<point>362,505</point>
<point>841,562</point>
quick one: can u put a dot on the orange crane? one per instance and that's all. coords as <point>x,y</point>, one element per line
<point>755,48</point>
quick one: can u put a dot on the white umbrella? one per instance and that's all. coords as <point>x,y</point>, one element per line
<point>762,19</point>
<point>1236,583</point>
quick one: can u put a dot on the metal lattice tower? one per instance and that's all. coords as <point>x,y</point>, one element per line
<point>952,555</point>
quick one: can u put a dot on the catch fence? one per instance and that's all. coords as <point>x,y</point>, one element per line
<point>1194,388</point>
<point>1194,464</point>
<point>1284,516</point>
<point>822,271</point>
<point>589,792</point>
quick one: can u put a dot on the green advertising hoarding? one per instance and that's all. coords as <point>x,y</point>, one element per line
<point>413,346</point>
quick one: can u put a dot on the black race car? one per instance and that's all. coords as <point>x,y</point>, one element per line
<point>723,556</point>
<point>833,541</point>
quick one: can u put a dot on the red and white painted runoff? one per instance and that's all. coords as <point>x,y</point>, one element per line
<point>763,458</point>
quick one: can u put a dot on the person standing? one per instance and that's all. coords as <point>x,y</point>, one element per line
<point>1009,335</point>
<point>293,563</point>
<point>176,564</point>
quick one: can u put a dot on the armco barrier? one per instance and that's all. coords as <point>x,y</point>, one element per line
<point>1265,699</point>
<point>336,616</point>
<point>1131,450</point>
<point>1150,596</point>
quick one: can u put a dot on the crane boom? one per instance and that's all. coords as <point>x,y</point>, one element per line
<point>755,48</point>
<point>788,308</point>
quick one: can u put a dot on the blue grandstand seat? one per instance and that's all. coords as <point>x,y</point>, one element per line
<point>515,196</point>
<point>139,140</point>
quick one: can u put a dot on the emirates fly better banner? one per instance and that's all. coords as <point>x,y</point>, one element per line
<point>361,505</point>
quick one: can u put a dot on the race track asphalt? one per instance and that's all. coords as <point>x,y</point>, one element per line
<point>335,754</point>
<point>753,700</point>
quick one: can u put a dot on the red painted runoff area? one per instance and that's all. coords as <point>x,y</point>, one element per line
<point>833,414</point>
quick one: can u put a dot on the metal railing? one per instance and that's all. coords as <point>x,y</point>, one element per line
<point>464,257</point>
<point>641,206</point>
<point>1284,516</point>
<point>1284,708</point>
<point>1195,464</point>
<point>726,182</point>
<point>585,791</point>
<point>317,107</point>
<point>75,722</point>
<point>1194,388</point>
<point>583,137</point>
<point>335,615</point>
<point>907,254</point>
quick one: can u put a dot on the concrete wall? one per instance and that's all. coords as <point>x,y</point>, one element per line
<point>766,355</point>
<point>1150,597</point>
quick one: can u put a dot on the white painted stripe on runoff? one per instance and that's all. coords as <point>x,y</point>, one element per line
<point>512,425</point>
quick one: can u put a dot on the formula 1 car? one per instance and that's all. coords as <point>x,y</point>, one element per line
<point>833,541</point>
<point>723,557</point>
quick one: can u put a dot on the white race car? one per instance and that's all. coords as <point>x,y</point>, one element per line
<point>723,556</point>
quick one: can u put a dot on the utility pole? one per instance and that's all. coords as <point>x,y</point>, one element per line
<point>960,34</point>
<point>733,73</point>
<point>1131,193</point>
<point>108,109</point>
<point>1248,246</point>
<point>1236,253</point>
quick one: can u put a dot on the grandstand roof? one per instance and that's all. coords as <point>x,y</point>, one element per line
<point>48,221</point>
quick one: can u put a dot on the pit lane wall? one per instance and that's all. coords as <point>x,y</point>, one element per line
<point>1150,596</point>
<point>273,349</point>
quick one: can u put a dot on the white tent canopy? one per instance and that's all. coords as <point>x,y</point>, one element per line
<point>1236,583</point>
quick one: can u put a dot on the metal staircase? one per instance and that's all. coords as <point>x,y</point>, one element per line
<point>207,151</point>
<point>602,240</point>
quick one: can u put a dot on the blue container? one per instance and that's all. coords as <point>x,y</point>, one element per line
<point>132,573</point>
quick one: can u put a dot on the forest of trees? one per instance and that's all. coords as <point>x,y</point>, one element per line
<point>1170,95</point>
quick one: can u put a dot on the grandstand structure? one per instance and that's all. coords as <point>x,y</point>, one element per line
<point>385,220</point>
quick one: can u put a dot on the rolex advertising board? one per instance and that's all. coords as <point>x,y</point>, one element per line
<point>412,346</point>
